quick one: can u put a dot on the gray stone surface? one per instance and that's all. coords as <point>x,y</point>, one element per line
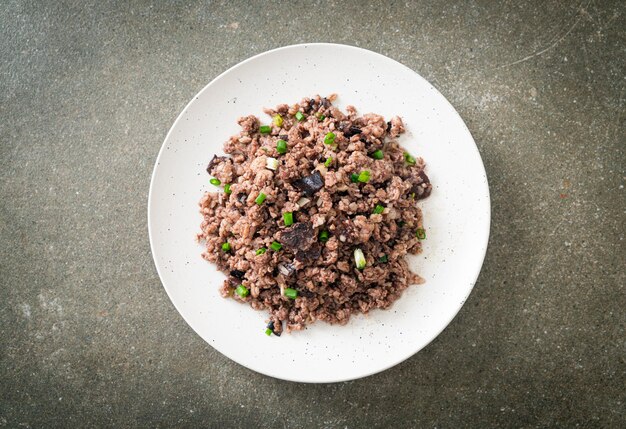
<point>88,335</point>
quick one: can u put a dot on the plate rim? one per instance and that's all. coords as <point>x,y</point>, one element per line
<point>482,245</point>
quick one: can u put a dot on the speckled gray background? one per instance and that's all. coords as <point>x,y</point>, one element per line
<point>88,335</point>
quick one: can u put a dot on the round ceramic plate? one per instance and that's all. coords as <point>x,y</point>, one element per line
<point>456,215</point>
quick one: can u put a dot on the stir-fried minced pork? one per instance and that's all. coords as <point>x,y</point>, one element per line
<point>317,210</point>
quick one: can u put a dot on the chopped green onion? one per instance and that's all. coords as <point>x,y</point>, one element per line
<point>281,146</point>
<point>359,259</point>
<point>278,120</point>
<point>265,129</point>
<point>288,218</point>
<point>378,154</point>
<point>227,190</point>
<point>364,176</point>
<point>215,181</point>
<point>261,251</point>
<point>354,177</point>
<point>299,116</point>
<point>291,293</point>
<point>259,200</point>
<point>324,236</point>
<point>409,159</point>
<point>421,234</point>
<point>268,332</point>
<point>412,196</point>
<point>328,161</point>
<point>383,259</point>
<point>226,247</point>
<point>378,209</point>
<point>276,246</point>
<point>329,138</point>
<point>320,117</point>
<point>242,291</point>
<point>271,163</point>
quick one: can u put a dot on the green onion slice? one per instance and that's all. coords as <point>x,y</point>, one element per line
<point>259,200</point>
<point>409,158</point>
<point>291,293</point>
<point>378,154</point>
<point>364,176</point>
<point>421,234</point>
<point>281,146</point>
<point>278,120</point>
<point>359,259</point>
<point>242,291</point>
<point>288,218</point>
<point>271,163</point>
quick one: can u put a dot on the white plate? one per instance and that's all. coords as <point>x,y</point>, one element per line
<point>456,216</point>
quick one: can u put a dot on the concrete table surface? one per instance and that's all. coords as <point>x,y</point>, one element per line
<point>90,339</point>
